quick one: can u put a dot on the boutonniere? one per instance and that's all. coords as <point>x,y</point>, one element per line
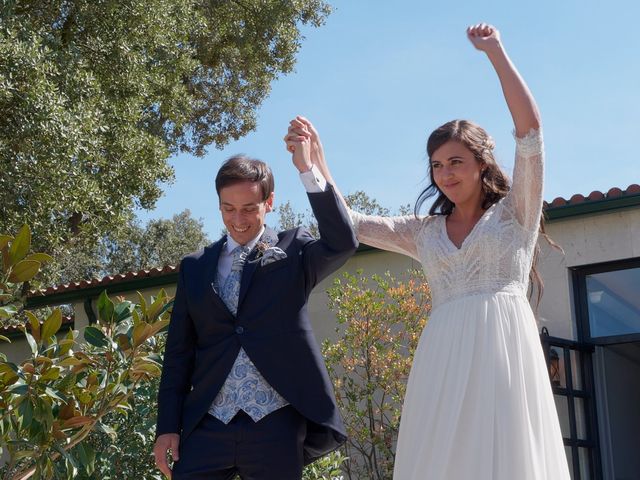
<point>266,254</point>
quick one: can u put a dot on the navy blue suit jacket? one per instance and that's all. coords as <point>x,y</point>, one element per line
<point>272,325</point>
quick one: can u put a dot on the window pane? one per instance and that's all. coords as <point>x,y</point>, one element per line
<point>581,418</point>
<point>614,303</point>
<point>576,370</point>
<point>567,450</point>
<point>585,469</point>
<point>563,415</point>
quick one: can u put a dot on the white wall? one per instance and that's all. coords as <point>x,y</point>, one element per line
<point>371,262</point>
<point>586,240</point>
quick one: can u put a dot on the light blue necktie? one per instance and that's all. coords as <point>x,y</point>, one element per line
<point>231,288</point>
<point>245,388</point>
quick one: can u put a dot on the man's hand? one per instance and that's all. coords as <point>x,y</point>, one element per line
<point>298,140</point>
<point>301,124</point>
<point>166,444</point>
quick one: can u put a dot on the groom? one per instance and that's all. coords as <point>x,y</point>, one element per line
<point>244,390</point>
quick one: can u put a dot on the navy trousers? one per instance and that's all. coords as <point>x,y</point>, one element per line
<point>270,449</point>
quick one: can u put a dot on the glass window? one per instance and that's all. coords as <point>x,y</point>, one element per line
<point>614,302</point>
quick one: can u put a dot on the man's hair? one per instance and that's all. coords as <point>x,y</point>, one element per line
<point>241,168</point>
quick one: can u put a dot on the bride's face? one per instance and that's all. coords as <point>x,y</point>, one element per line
<point>457,173</point>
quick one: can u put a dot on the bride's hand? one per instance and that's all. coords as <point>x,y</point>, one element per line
<point>484,37</point>
<point>317,152</point>
<point>298,141</point>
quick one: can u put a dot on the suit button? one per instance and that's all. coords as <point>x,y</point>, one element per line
<point>239,330</point>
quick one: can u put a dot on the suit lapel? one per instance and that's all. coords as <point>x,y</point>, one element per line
<point>211,273</point>
<point>270,238</point>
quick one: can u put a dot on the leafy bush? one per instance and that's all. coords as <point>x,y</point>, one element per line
<point>66,389</point>
<point>380,320</point>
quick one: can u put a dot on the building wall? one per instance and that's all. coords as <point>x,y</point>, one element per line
<point>371,262</point>
<point>586,240</point>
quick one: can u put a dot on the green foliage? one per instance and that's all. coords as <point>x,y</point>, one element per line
<point>65,389</point>
<point>380,320</point>
<point>325,468</point>
<point>129,455</point>
<point>18,269</point>
<point>96,95</point>
<point>133,248</point>
<point>288,219</point>
<point>359,201</point>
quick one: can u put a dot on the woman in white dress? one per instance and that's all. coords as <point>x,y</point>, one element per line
<point>479,403</point>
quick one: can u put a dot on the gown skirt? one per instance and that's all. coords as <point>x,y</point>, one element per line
<point>479,403</point>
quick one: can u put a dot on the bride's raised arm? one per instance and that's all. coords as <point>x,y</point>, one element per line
<point>526,191</point>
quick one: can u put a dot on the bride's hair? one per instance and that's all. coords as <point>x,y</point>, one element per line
<point>495,183</point>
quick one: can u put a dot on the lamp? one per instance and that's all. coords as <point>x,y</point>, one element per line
<point>554,367</point>
<point>552,357</point>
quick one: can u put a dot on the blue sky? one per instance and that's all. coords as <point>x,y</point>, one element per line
<point>380,76</point>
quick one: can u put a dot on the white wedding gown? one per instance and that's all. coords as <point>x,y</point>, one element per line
<point>479,403</point>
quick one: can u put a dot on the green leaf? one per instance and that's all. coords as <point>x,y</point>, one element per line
<point>40,257</point>
<point>107,429</point>
<point>32,343</point>
<point>122,311</point>
<point>4,240</point>
<point>52,324</point>
<point>53,394</point>
<point>143,303</point>
<point>141,333</point>
<point>72,468</point>
<point>23,454</point>
<point>51,374</point>
<point>87,457</point>
<point>20,389</point>
<point>8,311</point>
<point>156,308</point>
<point>24,270</point>
<point>70,361</point>
<point>66,344</point>
<point>105,308</point>
<point>95,336</point>
<point>4,339</point>
<point>26,412</point>
<point>20,245</point>
<point>35,325</point>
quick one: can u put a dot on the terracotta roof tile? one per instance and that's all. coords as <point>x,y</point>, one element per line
<point>66,320</point>
<point>107,280</point>
<point>594,196</point>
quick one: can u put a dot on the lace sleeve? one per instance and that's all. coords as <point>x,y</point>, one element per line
<point>525,197</point>
<point>396,234</point>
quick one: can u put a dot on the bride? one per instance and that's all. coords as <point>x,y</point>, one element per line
<point>479,402</point>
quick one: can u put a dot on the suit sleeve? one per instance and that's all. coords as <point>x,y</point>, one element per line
<point>337,240</point>
<point>178,363</point>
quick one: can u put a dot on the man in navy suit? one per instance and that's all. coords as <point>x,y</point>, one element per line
<point>244,389</point>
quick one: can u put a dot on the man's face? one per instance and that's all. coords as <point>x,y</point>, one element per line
<point>243,210</point>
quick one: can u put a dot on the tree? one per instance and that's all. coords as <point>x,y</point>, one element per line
<point>132,248</point>
<point>380,320</point>
<point>358,201</point>
<point>288,218</point>
<point>96,95</point>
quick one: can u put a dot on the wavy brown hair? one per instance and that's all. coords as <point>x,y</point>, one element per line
<point>495,183</point>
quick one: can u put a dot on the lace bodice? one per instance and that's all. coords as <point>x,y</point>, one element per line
<point>495,256</point>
